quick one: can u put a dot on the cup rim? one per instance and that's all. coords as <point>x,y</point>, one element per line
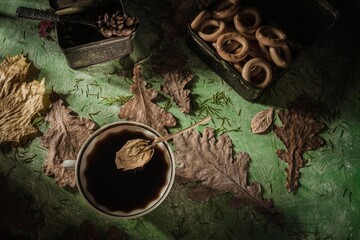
<point>147,209</point>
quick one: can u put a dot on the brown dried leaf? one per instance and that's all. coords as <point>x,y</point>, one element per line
<point>262,121</point>
<point>141,109</point>
<point>20,100</point>
<point>299,133</point>
<point>64,139</point>
<point>210,160</point>
<point>174,84</point>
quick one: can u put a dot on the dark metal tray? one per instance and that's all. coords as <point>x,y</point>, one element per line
<point>326,16</point>
<point>83,45</point>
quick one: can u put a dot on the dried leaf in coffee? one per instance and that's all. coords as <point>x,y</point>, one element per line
<point>137,152</point>
<point>134,154</point>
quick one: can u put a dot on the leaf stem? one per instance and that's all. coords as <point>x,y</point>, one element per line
<point>165,138</point>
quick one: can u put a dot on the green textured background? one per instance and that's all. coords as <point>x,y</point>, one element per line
<point>326,206</point>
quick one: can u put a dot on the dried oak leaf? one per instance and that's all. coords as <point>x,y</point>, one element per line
<point>210,161</point>
<point>64,138</point>
<point>141,109</point>
<point>299,133</point>
<point>262,121</point>
<point>20,99</point>
<point>174,84</point>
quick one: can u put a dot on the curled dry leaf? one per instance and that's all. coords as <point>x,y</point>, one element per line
<point>174,85</point>
<point>46,28</point>
<point>299,133</point>
<point>63,139</point>
<point>141,109</point>
<point>210,161</point>
<point>262,121</point>
<point>20,99</point>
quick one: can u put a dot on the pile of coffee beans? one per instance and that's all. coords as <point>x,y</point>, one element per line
<point>117,24</point>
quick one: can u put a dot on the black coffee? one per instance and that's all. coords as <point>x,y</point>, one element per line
<point>120,190</point>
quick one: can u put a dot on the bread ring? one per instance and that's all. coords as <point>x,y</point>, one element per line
<point>225,9</point>
<point>264,52</point>
<point>277,59</point>
<point>243,25</point>
<point>249,36</point>
<point>253,53</point>
<point>229,46</point>
<point>228,56</point>
<point>203,15</point>
<point>270,36</point>
<point>246,72</point>
<point>213,36</point>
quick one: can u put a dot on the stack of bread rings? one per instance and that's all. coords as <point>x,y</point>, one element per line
<point>238,36</point>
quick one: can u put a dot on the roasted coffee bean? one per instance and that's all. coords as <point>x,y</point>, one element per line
<point>119,33</point>
<point>106,17</point>
<point>127,31</point>
<point>129,21</point>
<point>108,32</point>
<point>135,21</point>
<point>116,24</point>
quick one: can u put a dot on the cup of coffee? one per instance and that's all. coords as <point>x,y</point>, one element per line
<point>116,192</point>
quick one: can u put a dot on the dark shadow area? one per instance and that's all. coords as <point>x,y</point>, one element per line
<point>324,71</point>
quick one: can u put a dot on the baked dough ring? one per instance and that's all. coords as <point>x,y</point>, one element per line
<point>211,37</point>
<point>241,25</point>
<point>264,51</point>
<point>277,59</point>
<point>202,16</point>
<point>237,55</point>
<point>253,53</point>
<point>225,9</point>
<point>270,36</point>
<point>229,46</point>
<point>246,72</point>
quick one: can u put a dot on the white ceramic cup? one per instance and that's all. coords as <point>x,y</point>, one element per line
<point>89,174</point>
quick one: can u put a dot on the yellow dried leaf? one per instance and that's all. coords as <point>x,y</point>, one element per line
<point>20,100</point>
<point>134,154</point>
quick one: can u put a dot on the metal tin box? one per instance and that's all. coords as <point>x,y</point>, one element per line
<point>303,22</point>
<point>84,45</point>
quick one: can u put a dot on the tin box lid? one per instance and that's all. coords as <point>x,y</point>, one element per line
<point>305,21</point>
<point>65,7</point>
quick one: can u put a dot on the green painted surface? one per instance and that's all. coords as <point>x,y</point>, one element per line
<point>326,205</point>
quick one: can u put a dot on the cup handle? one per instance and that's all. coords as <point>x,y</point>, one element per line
<point>69,164</point>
